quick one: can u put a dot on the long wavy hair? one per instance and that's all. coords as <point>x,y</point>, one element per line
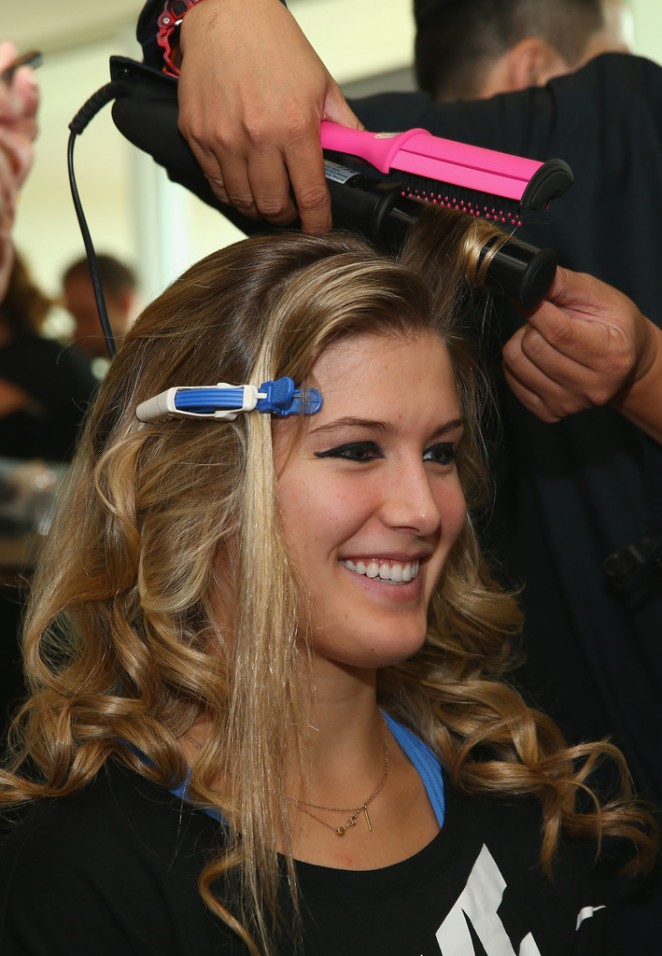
<point>165,594</point>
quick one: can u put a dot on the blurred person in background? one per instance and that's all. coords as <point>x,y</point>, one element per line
<point>120,289</point>
<point>44,389</point>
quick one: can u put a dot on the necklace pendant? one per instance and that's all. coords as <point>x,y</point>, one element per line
<point>340,831</point>
<point>367,816</point>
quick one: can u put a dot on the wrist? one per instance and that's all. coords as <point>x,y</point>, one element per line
<point>641,400</point>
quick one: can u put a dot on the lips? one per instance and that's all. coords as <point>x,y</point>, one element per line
<point>395,572</point>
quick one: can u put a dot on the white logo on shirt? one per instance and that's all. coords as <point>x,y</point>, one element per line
<point>478,904</point>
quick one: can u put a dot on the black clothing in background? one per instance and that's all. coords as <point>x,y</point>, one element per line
<point>576,491</point>
<point>61,383</point>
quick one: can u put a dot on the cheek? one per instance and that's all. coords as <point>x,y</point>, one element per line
<point>453,509</point>
<point>319,520</point>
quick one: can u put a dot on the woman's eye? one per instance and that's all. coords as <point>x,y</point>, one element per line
<point>361,451</point>
<point>443,453</point>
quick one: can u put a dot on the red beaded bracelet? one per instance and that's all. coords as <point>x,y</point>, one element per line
<point>168,23</point>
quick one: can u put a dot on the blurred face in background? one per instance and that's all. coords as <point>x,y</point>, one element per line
<point>78,299</point>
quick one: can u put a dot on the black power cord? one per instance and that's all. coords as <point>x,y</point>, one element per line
<point>111,91</point>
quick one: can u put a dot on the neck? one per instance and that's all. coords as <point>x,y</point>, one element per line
<point>342,740</point>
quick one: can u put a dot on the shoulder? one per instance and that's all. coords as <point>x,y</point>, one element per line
<point>513,828</point>
<point>622,71</point>
<point>114,868</point>
<point>120,815</point>
<point>26,344</point>
<point>532,120</point>
<point>502,839</point>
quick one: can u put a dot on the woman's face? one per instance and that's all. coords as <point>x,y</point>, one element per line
<point>369,495</point>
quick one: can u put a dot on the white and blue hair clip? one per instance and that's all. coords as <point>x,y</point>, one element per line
<point>224,402</point>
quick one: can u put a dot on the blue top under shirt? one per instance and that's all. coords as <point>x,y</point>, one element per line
<point>425,762</point>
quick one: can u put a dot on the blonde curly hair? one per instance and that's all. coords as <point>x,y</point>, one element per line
<point>134,632</point>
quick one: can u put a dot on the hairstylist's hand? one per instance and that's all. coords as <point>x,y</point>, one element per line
<point>252,94</point>
<point>586,345</point>
<point>19,101</point>
<point>18,127</point>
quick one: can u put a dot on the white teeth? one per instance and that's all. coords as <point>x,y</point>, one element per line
<point>395,573</point>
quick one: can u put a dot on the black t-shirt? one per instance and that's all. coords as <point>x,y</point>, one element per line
<point>114,870</point>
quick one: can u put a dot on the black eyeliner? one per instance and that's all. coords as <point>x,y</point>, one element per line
<point>341,451</point>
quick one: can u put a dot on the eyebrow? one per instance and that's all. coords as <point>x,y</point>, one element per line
<point>371,424</point>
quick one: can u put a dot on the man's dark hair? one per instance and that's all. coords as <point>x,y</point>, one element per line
<point>458,40</point>
<point>116,276</point>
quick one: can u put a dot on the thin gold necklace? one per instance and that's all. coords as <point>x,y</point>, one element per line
<point>354,812</point>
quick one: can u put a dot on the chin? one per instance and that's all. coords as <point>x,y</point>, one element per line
<point>383,649</point>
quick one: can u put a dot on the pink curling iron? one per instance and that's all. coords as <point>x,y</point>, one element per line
<point>408,170</point>
<point>449,173</point>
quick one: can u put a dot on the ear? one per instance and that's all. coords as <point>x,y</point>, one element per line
<point>534,62</point>
<point>531,62</point>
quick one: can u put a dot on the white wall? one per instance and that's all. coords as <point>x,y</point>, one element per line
<point>132,210</point>
<point>648,28</point>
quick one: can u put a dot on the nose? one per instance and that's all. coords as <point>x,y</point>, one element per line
<point>414,499</point>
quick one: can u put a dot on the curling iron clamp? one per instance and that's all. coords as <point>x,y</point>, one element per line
<point>435,170</point>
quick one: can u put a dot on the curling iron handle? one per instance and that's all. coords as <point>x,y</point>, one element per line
<point>378,149</point>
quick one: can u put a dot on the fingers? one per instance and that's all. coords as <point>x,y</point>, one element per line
<point>8,54</point>
<point>25,93</point>
<point>585,297</point>
<point>18,156</point>
<point>14,164</point>
<point>589,367</point>
<point>264,171</point>
<point>251,116</point>
<point>19,99</point>
<point>578,350</point>
<point>543,384</point>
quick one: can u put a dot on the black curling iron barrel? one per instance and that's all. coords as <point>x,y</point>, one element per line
<point>379,211</point>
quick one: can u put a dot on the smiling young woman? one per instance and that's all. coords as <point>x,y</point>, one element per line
<point>266,656</point>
